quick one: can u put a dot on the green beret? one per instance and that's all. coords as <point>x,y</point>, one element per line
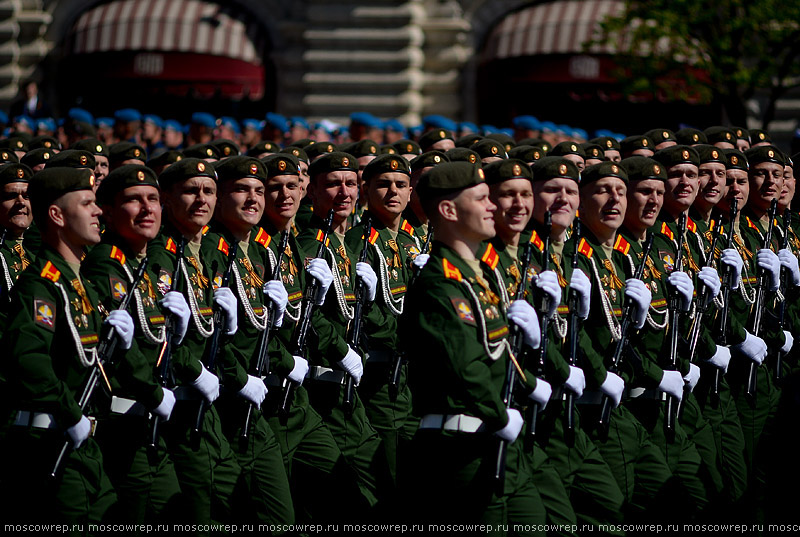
<point>428,160</point>
<point>15,143</point>
<point>387,149</point>
<point>449,177</point>
<point>301,143</point>
<point>122,151</point>
<point>37,156</point>
<point>661,135</point>
<point>72,158</point>
<point>606,142</point>
<point>720,134</point>
<point>741,133</point>
<point>528,153</point>
<point>203,151</point>
<point>407,147</point>
<point>468,139</point>
<point>677,154</point>
<point>92,145</point>
<point>297,152</point>
<point>595,172</point>
<point>504,170</point>
<point>765,153</point>
<point>567,148</point>
<point>50,184</point>
<point>319,148</point>
<point>14,172</point>
<point>241,166</point>
<point>632,143</point>
<point>691,136</point>
<point>123,177</point>
<point>462,154</point>
<point>549,167</point>
<point>362,148</point>
<point>735,160</point>
<point>226,148</point>
<point>433,136</point>
<point>709,153</point>
<point>508,142</point>
<point>386,164</point>
<point>641,168</point>
<point>281,164</point>
<point>333,162</point>
<point>264,146</point>
<point>487,148</point>
<point>184,169</point>
<point>165,158</point>
<point>593,151</point>
<point>6,155</point>
<point>758,135</point>
<point>45,142</point>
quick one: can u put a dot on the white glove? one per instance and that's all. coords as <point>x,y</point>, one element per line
<point>276,292</point>
<point>300,370</point>
<point>541,393</point>
<point>223,296</point>
<point>254,391</point>
<point>753,347</point>
<point>692,377</point>
<point>548,282</point>
<point>768,260</point>
<point>79,433</point>
<point>365,272</point>
<point>164,409</point>
<point>709,277</point>
<point>207,384</point>
<point>721,358</point>
<point>613,387</point>
<point>123,324</point>
<point>576,382</point>
<point>789,260</point>
<point>582,285</point>
<point>732,259</point>
<point>682,284</point>
<point>510,432</point>
<point>640,295</point>
<point>353,365</point>
<point>320,271</point>
<point>672,384</point>
<point>420,260</point>
<point>176,305</point>
<point>524,316</point>
<point>787,345</point>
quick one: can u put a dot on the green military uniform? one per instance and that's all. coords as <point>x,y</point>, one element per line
<point>14,255</point>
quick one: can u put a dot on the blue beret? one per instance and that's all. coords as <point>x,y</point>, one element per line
<point>47,124</point>
<point>507,132</point>
<point>578,133</point>
<point>27,120</point>
<point>251,123</point>
<point>231,123</point>
<point>174,125</point>
<point>548,126</point>
<point>154,119</point>
<point>526,122</point>
<point>79,114</point>
<point>3,117</point>
<point>204,119</point>
<point>277,121</point>
<point>127,114</point>
<point>435,121</point>
<point>298,121</point>
<point>466,125</point>
<point>394,125</point>
<point>104,122</point>
<point>365,118</point>
<point>489,129</point>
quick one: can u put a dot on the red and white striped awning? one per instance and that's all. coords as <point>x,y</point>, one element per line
<point>190,26</point>
<point>560,27</point>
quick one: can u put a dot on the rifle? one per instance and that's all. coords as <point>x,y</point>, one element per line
<point>574,322</point>
<point>262,363</point>
<point>213,346</point>
<point>622,343</point>
<point>359,290</point>
<point>703,300</point>
<point>301,330</point>
<point>758,305</point>
<point>105,351</point>
<point>5,265</point>
<point>671,410</point>
<point>784,286</point>
<point>517,341</point>
<point>727,285</point>
<point>165,355</point>
<point>544,306</point>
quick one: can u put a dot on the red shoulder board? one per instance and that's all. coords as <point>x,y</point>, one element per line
<point>373,235</point>
<point>536,241</point>
<point>751,224</point>
<point>171,246</point>
<point>585,249</point>
<point>621,245</point>
<point>117,254</point>
<point>205,229</point>
<point>222,246</point>
<point>712,224</point>
<point>320,234</point>
<point>263,238</point>
<point>690,225</point>
<point>490,257</point>
<point>665,230</point>
<point>50,272</point>
<point>408,228</point>
<point>451,271</point>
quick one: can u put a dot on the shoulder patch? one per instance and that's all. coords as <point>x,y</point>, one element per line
<point>622,245</point>
<point>222,246</point>
<point>463,310</point>
<point>171,246</point>
<point>490,257</point>
<point>205,229</point>
<point>118,288</point>
<point>44,313</point>
<point>117,254</point>
<point>373,235</point>
<point>537,241</point>
<point>50,272</point>
<point>690,225</point>
<point>668,260</point>
<point>164,282</point>
<point>451,271</point>
<point>585,249</point>
<point>665,230</point>
<point>408,228</point>
<point>263,238</point>
<point>751,224</point>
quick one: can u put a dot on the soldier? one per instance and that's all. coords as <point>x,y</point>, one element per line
<point>15,219</point>
<point>99,151</point>
<point>637,145</point>
<point>662,138</point>
<point>610,146</point>
<point>437,140</point>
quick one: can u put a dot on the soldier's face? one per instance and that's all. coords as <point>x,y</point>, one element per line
<point>787,192</point>
<point>725,145</point>
<point>514,201</point>
<point>77,214</point>
<point>613,155</point>
<point>388,195</point>
<point>443,145</point>
<point>100,169</point>
<point>336,190</point>
<point>645,199</point>
<point>474,212</point>
<point>559,196</point>
<point>742,145</point>
<point>712,183</point>
<point>683,183</point>
<point>240,204</point>
<point>738,187</point>
<point>603,205</point>
<point>766,182</point>
<point>304,178</point>
<point>190,204</point>
<point>642,152</point>
<point>282,199</point>
<point>15,208</point>
<point>578,160</point>
<point>135,214</point>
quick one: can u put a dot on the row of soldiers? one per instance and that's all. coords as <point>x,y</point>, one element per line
<point>279,337</point>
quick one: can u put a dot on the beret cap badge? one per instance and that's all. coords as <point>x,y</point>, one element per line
<point>609,144</point>
<point>644,142</point>
<point>140,175</point>
<point>734,159</point>
<point>437,158</point>
<point>254,168</point>
<point>685,155</point>
<point>281,165</point>
<point>201,167</point>
<point>20,173</point>
<point>562,169</point>
<point>656,169</point>
<point>481,174</point>
<point>136,153</point>
<point>394,164</point>
<point>517,170</point>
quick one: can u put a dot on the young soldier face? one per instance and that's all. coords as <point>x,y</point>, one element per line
<point>190,204</point>
<point>79,217</point>
<point>15,208</point>
<point>766,182</point>
<point>645,199</point>
<point>613,155</point>
<point>681,189</point>
<point>742,145</point>
<point>559,196</point>
<point>472,212</point>
<point>577,160</point>
<point>304,178</point>
<point>603,205</point>
<point>712,180</point>
<point>282,198</point>
<point>738,187</point>
<point>240,204</point>
<point>135,214</point>
<point>787,192</point>
<point>335,190</point>
<point>100,170</point>
<point>388,195</point>
<point>514,201</point>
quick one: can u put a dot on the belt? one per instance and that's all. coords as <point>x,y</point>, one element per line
<point>380,356</point>
<point>590,397</point>
<point>39,420</point>
<point>186,393</point>
<point>646,393</point>
<point>129,407</point>
<point>326,374</point>
<point>452,422</point>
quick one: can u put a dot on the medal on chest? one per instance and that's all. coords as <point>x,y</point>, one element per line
<point>488,298</point>
<point>611,283</point>
<point>343,265</point>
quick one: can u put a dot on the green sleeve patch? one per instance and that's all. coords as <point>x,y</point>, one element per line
<point>463,310</point>
<point>44,313</point>
<point>118,288</point>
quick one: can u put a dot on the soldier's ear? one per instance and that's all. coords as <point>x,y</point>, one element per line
<point>447,209</point>
<point>56,215</point>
